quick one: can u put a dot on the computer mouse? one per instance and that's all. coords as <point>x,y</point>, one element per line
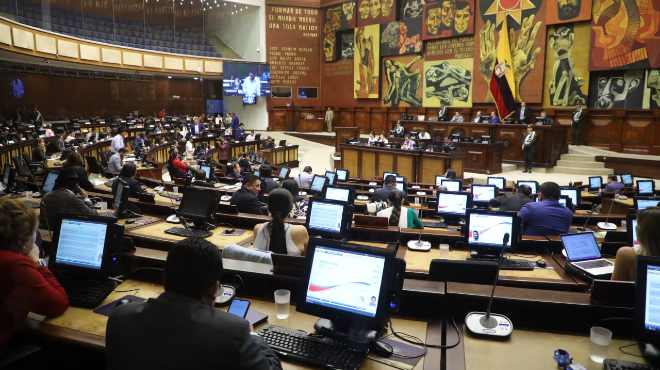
<point>541,263</point>
<point>229,231</point>
<point>381,349</point>
<point>122,302</point>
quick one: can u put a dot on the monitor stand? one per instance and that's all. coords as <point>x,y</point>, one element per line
<point>355,332</point>
<point>199,229</point>
<point>650,352</point>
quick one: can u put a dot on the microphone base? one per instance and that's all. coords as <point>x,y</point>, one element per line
<point>495,326</point>
<point>606,226</point>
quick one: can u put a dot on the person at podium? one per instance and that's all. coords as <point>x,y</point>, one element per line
<point>494,119</point>
<point>442,114</point>
<point>522,114</point>
<point>424,135</point>
<point>399,131</point>
<point>457,118</point>
<point>477,117</point>
<point>408,143</point>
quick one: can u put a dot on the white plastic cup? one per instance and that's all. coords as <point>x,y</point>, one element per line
<point>175,189</point>
<point>282,301</point>
<point>600,342</point>
<point>28,195</point>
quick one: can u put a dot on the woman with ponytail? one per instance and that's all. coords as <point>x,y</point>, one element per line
<point>277,236</point>
<point>398,215</point>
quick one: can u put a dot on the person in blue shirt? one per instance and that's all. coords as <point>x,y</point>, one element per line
<point>547,216</point>
<point>613,185</point>
<point>493,118</point>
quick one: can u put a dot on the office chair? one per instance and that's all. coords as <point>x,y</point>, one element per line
<point>93,165</point>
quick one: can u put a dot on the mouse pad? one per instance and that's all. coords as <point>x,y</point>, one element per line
<point>106,309</point>
<point>236,232</point>
<point>256,317</point>
<point>405,357</point>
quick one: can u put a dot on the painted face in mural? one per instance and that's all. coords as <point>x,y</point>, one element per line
<point>561,41</point>
<point>614,90</point>
<point>364,9</point>
<point>413,8</point>
<point>386,7</point>
<point>462,19</point>
<point>433,20</point>
<point>447,12</point>
<point>653,83</point>
<point>348,9</point>
<point>375,8</point>
<point>329,47</point>
<point>568,9</point>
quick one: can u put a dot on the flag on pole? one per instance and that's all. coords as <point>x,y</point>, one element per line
<point>502,82</point>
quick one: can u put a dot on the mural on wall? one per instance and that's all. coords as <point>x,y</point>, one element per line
<point>565,11</point>
<point>402,81</point>
<point>400,38</point>
<point>524,19</point>
<point>337,18</point>
<point>448,83</point>
<point>345,45</point>
<point>411,9</point>
<point>617,89</point>
<point>375,12</point>
<point>625,34</point>
<point>567,65</point>
<point>652,90</point>
<point>366,62</point>
<point>448,18</point>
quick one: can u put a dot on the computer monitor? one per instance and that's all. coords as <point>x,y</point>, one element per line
<point>486,230</point>
<point>82,243</point>
<point>438,180</point>
<point>284,172</point>
<point>452,185</point>
<point>595,182</point>
<point>641,203</point>
<point>332,177</point>
<point>645,187</point>
<point>338,194</point>
<point>318,184</point>
<point>572,193</point>
<point>534,185</point>
<point>453,203</point>
<point>342,175</point>
<point>627,179</point>
<point>401,186</point>
<point>49,182</point>
<point>351,285</point>
<point>500,182</point>
<point>8,176</point>
<point>647,314</point>
<point>400,179</point>
<point>482,194</point>
<point>566,202</point>
<point>206,169</point>
<point>631,229</point>
<point>198,205</point>
<point>120,197</point>
<point>385,174</point>
<point>330,219</point>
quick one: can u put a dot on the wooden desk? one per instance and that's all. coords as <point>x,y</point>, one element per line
<point>482,158</point>
<point>156,232</point>
<point>82,326</point>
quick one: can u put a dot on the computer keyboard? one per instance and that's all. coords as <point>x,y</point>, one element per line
<point>323,352</point>
<point>84,292</point>
<point>594,264</point>
<point>188,233</point>
<point>611,364</point>
<point>437,225</point>
<point>510,264</point>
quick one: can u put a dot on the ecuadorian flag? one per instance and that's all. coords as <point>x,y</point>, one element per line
<point>502,82</point>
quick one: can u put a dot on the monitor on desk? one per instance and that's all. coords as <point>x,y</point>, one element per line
<point>566,202</point>
<point>332,177</point>
<point>595,183</point>
<point>486,230</point>
<point>452,185</point>
<point>500,182</point>
<point>318,184</point>
<point>646,187</point>
<point>627,180</point>
<point>330,219</point>
<point>453,203</point>
<point>339,194</point>
<point>401,186</point>
<point>534,185</point>
<point>647,308</point>
<point>342,175</point>
<point>572,193</point>
<point>49,182</point>
<point>198,204</point>
<point>284,172</point>
<point>8,176</point>
<point>438,180</point>
<point>82,243</point>
<point>206,169</point>
<point>482,194</point>
<point>642,203</point>
<point>385,174</point>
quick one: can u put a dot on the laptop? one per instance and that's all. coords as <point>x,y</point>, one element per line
<point>583,253</point>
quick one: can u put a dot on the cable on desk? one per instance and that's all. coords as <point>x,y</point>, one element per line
<point>629,353</point>
<point>414,340</point>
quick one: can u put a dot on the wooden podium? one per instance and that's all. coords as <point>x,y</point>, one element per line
<point>344,133</point>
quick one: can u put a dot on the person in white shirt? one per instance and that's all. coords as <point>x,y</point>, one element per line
<point>278,236</point>
<point>528,146</point>
<point>115,162</point>
<point>477,117</point>
<point>49,131</point>
<point>250,136</point>
<point>117,142</point>
<point>251,88</point>
<point>399,131</point>
<point>304,179</point>
<point>372,137</point>
<point>190,149</point>
<point>382,139</point>
<point>424,135</point>
<point>71,137</point>
<point>457,118</point>
<point>329,117</point>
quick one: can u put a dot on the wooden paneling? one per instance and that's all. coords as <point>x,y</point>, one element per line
<point>430,168</point>
<point>344,118</point>
<point>385,163</point>
<point>379,121</point>
<point>368,164</point>
<point>405,166</point>
<point>362,120</point>
<point>349,159</point>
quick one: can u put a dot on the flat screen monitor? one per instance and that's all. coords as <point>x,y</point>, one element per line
<point>284,172</point>
<point>342,175</point>
<point>487,229</point>
<point>452,185</point>
<point>400,179</point>
<point>6,175</point>
<point>206,169</point>
<point>49,182</point>
<point>338,194</point>
<point>627,179</point>
<point>534,185</point>
<point>198,204</point>
<point>483,193</point>
<point>328,218</point>
<point>647,307</point>
<point>500,182</point>
<point>438,180</point>
<point>400,186</point>
<point>451,203</point>
<point>385,174</point>
<point>332,177</point>
<point>595,182</point>
<point>642,203</point>
<point>572,193</point>
<point>631,224</point>
<point>81,243</point>
<point>249,80</point>
<point>565,201</point>
<point>318,184</point>
<point>645,187</point>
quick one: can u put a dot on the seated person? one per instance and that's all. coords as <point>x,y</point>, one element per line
<point>63,199</point>
<point>250,136</point>
<point>75,161</point>
<point>457,118</point>
<point>547,216</point>
<point>267,182</point>
<point>115,162</point>
<point>244,162</point>
<point>234,171</point>
<point>477,117</point>
<point>613,185</point>
<point>382,139</point>
<point>39,152</point>
<point>277,236</point>
<point>206,338</point>
<point>246,199</point>
<point>190,149</point>
<point>127,175</point>
<point>372,137</point>
<point>514,201</point>
<point>304,178</point>
<point>493,118</point>
<point>544,119</point>
<point>175,164</point>
<point>299,202</point>
<point>424,135</point>
<point>399,131</point>
<point>383,194</point>
<point>408,143</point>
<point>26,285</point>
<point>648,234</point>
<point>400,216</point>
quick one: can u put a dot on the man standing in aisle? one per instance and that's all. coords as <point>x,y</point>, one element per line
<point>329,117</point>
<point>528,146</point>
<point>117,142</point>
<point>577,119</point>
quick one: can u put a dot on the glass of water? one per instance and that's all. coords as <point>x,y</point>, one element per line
<point>600,342</point>
<point>282,300</point>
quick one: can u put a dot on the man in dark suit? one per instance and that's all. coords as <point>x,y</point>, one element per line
<point>383,194</point>
<point>181,329</point>
<point>522,114</point>
<point>528,148</point>
<point>267,182</point>
<point>577,119</point>
<point>513,202</point>
<point>247,198</point>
